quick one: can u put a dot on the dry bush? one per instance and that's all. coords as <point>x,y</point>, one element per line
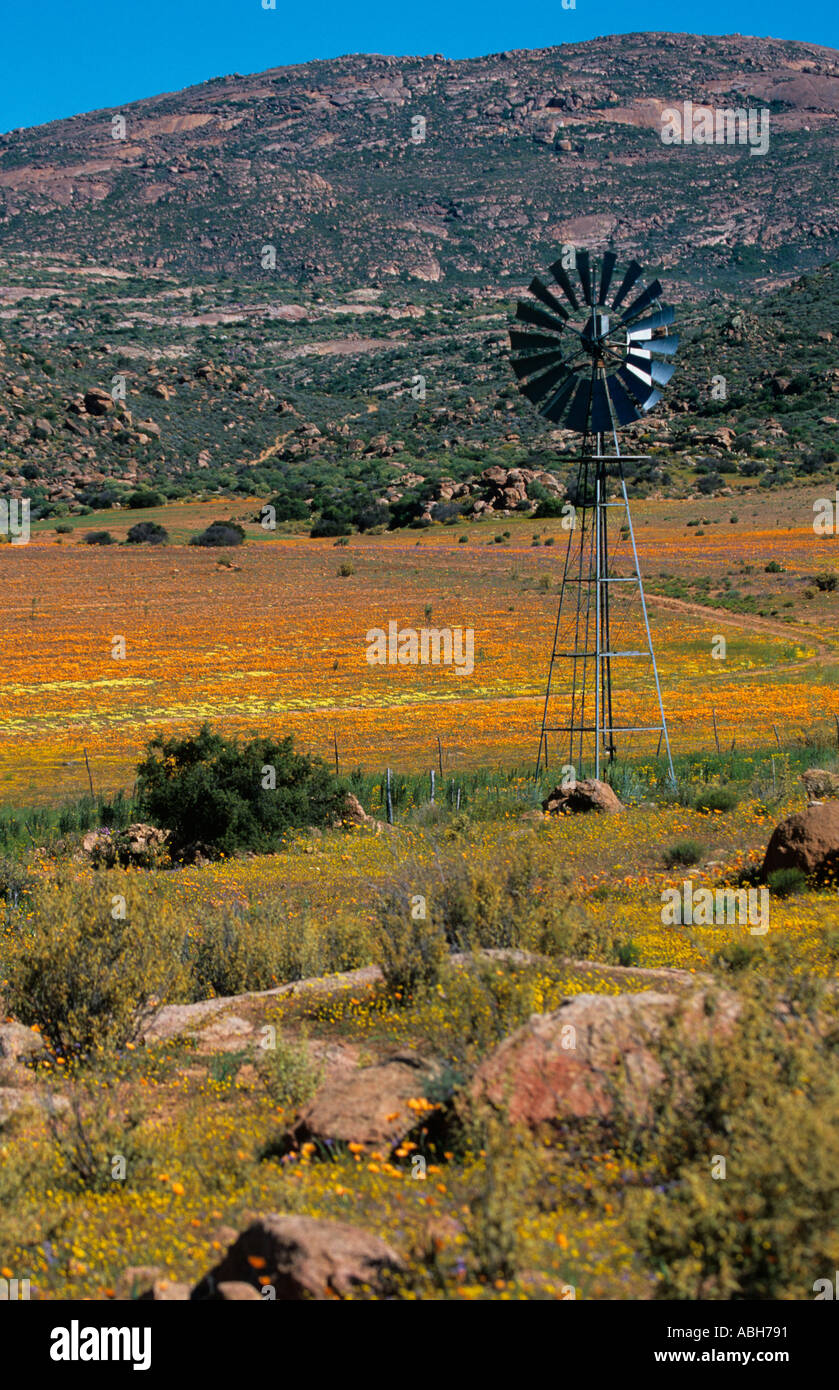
<point>237,949</point>
<point>92,961</point>
<point>767,1101</point>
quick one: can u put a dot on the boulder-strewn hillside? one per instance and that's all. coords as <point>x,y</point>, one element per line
<point>314,397</point>
<point>148,342</point>
<point>521,150</point>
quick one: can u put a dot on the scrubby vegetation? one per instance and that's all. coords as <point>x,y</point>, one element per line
<point>90,963</point>
<point>476,918</point>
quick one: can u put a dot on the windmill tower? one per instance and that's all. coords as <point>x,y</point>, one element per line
<point>592,364</point>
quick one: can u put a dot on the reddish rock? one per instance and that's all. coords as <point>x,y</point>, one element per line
<point>234,1291</point>
<point>585,796</point>
<point>17,1043</point>
<point>301,1257</point>
<point>820,785</point>
<point>370,1106</point>
<point>354,816</point>
<point>165,1291</point>
<point>572,1064</point>
<point>808,841</point>
<point>149,1283</point>
<point>140,845</point>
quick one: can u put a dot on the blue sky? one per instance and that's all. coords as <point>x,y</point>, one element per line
<point>66,56</point>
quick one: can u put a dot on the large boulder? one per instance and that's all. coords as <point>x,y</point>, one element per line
<point>582,797</point>
<point>808,841</point>
<point>590,1054</point>
<point>97,401</point>
<point>378,1106</point>
<point>302,1257</point>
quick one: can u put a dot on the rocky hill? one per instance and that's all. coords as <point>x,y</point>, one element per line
<point>520,150</point>
<point>268,289</point>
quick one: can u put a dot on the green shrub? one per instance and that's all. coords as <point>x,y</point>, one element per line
<point>147,533</point>
<point>488,905</point>
<point>237,950</point>
<point>716,799</point>
<point>144,497</point>
<point>226,796</point>
<point>98,538</point>
<point>91,980</point>
<point>409,948</point>
<point>232,953</point>
<point>90,1137</point>
<point>783,883</point>
<point>826,581</point>
<point>472,903</point>
<point>288,507</point>
<point>498,1210</point>
<point>739,955</point>
<point>16,881</point>
<point>333,521</point>
<point>683,852</point>
<point>626,953</point>
<point>288,1072</point>
<point>220,533</point>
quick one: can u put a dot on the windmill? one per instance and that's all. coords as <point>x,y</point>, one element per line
<point>592,363</point>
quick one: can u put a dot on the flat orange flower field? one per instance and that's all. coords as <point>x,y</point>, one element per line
<point>272,637</point>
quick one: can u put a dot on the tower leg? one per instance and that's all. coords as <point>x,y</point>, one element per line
<point>589,644</point>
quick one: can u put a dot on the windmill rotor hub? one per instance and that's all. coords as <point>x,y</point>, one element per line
<point>592,358</point>
<point>594,333</point>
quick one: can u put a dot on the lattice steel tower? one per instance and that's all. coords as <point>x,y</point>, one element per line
<point>591,366</point>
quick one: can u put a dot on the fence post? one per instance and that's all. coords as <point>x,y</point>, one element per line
<point>432,786</point>
<point>439,755</point>
<point>389,801</point>
<point>716,735</point>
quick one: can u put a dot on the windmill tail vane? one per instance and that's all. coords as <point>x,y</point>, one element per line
<point>593,352</point>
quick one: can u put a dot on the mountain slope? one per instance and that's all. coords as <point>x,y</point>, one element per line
<point>522,150</point>
<point>253,390</point>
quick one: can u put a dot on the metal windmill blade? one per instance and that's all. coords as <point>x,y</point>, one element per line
<point>593,353</point>
<point>619,351</point>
